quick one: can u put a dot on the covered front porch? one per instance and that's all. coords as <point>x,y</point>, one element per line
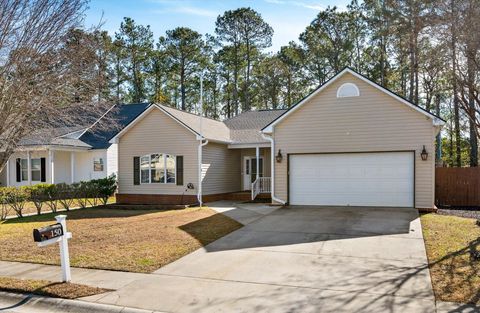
<point>46,164</point>
<point>255,169</point>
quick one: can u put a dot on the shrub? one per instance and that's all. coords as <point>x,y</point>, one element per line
<point>51,194</point>
<point>66,195</point>
<point>104,188</point>
<point>16,198</point>
<point>39,195</point>
<point>4,207</point>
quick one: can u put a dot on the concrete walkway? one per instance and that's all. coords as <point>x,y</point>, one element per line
<point>84,276</point>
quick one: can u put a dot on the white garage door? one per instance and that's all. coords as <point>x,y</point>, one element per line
<point>357,179</point>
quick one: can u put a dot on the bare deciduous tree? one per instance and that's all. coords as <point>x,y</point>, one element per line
<point>47,72</point>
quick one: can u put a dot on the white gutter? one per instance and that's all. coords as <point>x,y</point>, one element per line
<point>199,194</point>
<point>272,163</point>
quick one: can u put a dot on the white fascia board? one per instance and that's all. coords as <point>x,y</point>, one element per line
<point>249,145</point>
<point>176,119</point>
<point>51,147</point>
<point>416,108</point>
<point>116,138</point>
<point>269,128</point>
<point>132,123</point>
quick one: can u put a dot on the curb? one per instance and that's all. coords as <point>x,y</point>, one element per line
<point>27,302</point>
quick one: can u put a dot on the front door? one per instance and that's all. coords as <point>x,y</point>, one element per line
<point>250,171</point>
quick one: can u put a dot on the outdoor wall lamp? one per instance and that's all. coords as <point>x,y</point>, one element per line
<point>424,154</point>
<point>279,156</point>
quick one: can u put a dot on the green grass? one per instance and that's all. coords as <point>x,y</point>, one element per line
<point>449,240</point>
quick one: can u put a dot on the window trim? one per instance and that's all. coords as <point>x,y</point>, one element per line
<point>22,169</point>
<point>102,163</point>
<point>39,170</point>
<point>174,157</point>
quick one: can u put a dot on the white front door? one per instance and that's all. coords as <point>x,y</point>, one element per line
<point>250,171</point>
<point>357,179</point>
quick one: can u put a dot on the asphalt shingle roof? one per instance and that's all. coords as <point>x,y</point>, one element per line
<point>245,127</point>
<point>211,129</point>
<point>99,134</point>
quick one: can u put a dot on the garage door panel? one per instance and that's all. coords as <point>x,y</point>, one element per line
<point>361,179</point>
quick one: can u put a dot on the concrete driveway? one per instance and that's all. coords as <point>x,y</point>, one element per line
<point>298,259</point>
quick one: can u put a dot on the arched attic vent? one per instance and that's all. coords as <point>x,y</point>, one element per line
<point>348,90</point>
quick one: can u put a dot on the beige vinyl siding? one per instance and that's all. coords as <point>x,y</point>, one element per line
<point>265,153</point>
<point>220,169</point>
<point>157,133</point>
<point>373,122</point>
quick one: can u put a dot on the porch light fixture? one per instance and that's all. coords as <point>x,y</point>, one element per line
<point>279,156</point>
<point>424,154</point>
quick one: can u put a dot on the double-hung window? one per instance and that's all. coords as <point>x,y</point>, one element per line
<point>36,170</point>
<point>157,168</point>
<point>24,169</point>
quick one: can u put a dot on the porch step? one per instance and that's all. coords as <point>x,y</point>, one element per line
<point>240,196</point>
<point>247,196</point>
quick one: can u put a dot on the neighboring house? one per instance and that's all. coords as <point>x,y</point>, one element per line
<point>69,154</point>
<point>350,142</point>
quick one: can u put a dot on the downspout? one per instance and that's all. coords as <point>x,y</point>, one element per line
<point>272,164</point>
<point>200,146</point>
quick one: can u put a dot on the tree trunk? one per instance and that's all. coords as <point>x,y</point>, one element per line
<point>458,160</point>
<point>415,66</point>
<point>411,52</point>
<point>471,54</point>
<point>182,85</point>
<point>235,81</point>
<point>438,150</point>
<point>247,79</point>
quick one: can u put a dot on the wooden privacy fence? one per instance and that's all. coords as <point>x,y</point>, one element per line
<point>457,186</point>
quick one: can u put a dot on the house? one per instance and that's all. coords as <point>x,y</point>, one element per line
<point>350,142</point>
<point>69,154</point>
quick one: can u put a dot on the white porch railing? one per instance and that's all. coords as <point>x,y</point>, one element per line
<point>261,185</point>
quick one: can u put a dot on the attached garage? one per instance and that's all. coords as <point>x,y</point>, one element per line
<point>352,142</point>
<point>352,179</point>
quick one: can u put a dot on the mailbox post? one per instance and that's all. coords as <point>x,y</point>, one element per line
<point>64,255</point>
<point>56,233</point>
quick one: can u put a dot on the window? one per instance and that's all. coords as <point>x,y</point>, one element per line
<point>145,169</point>
<point>348,90</point>
<point>98,164</point>
<point>36,170</point>
<point>24,169</point>
<point>170,169</point>
<point>157,168</point>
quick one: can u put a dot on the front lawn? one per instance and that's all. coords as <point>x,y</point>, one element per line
<point>127,240</point>
<point>449,240</point>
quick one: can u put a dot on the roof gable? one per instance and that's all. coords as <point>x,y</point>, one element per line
<point>211,129</point>
<point>437,121</point>
<point>98,135</point>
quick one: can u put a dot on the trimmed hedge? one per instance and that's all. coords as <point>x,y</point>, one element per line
<point>86,193</point>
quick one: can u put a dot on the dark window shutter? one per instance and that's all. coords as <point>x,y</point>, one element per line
<point>179,177</point>
<point>43,172</point>
<point>19,171</point>
<point>136,170</point>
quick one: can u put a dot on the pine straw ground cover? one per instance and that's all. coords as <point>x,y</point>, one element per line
<point>126,240</point>
<point>449,240</point>
<point>48,288</point>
